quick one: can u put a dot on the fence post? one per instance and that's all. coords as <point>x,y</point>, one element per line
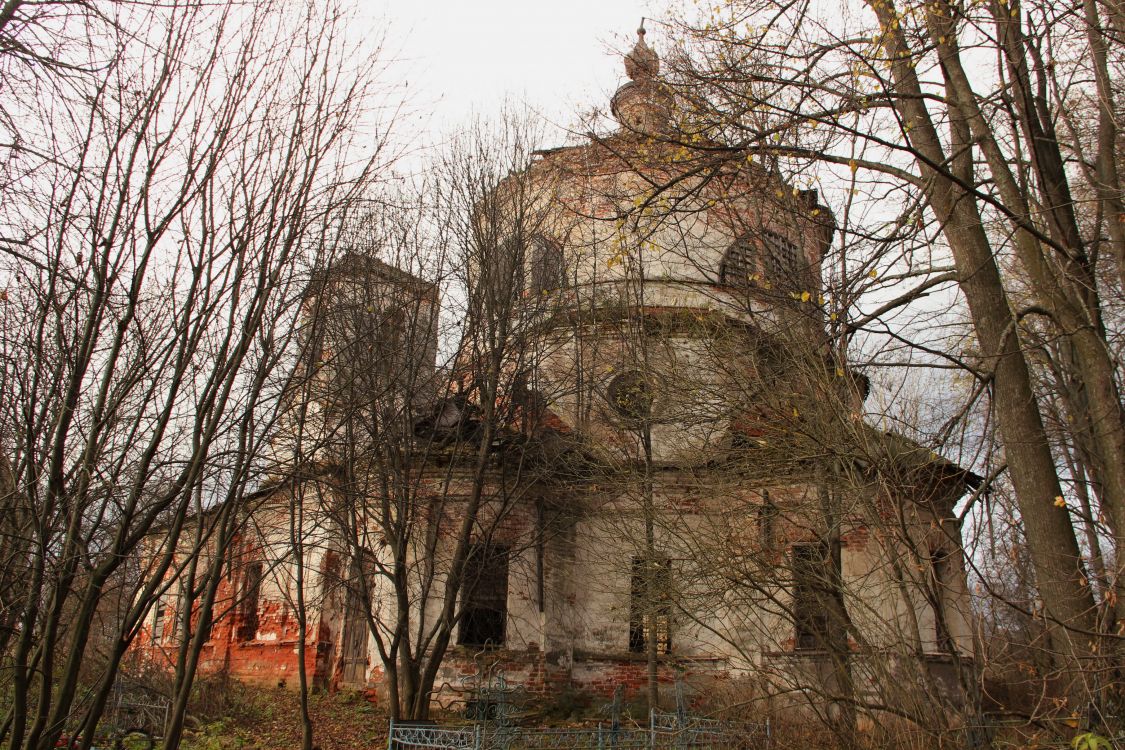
<point>681,703</point>
<point>391,734</point>
<point>652,729</point>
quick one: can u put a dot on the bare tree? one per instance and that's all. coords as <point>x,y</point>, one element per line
<point>415,414</point>
<point>152,241</point>
<point>738,465</point>
<point>976,164</point>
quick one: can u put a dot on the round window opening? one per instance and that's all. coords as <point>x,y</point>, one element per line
<point>630,395</point>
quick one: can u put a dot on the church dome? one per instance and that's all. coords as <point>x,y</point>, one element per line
<point>649,229</point>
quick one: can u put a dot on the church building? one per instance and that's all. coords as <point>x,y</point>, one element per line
<point>661,473</point>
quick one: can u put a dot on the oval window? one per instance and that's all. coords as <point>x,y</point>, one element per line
<point>630,395</point>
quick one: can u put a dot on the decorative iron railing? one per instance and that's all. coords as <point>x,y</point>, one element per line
<point>406,736</point>
<point>134,705</point>
<point>491,704</point>
<point>666,731</point>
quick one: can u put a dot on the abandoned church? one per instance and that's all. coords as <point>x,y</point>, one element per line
<point>644,462</point>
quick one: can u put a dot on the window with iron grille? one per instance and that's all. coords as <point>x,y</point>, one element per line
<point>780,260</point>
<point>765,259</point>
<point>650,604</point>
<point>738,266</point>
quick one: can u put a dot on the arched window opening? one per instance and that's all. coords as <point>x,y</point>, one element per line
<point>738,266</point>
<point>766,258</point>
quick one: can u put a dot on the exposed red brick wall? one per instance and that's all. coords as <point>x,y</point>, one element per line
<point>856,538</point>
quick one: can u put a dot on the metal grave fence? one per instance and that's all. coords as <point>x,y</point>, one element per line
<point>666,730</point>
<point>663,733</point>
<point>135,707</point>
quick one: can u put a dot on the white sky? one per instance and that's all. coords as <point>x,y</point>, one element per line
<point>461,58</point>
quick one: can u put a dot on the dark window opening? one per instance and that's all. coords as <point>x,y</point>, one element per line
<point>510,271</point>
<point>501,274</point>
<point>180,604</point>
<point>357,589</point>
<point>767,522</point>
<point>941,564</point>
<point>650,605</point>
<point>248,603</point>
<point>158,619</point>
<point>484,597</point>
<point>812,592</point>
<point>630,395</point>
<point>548,271</point>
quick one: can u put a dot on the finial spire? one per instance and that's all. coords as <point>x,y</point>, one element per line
<point>642,62</point>
<point>643,105</point>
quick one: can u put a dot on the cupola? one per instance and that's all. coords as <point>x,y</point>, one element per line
<point>643,105</point>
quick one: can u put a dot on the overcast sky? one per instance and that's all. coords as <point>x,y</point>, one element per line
<point>464,57</point>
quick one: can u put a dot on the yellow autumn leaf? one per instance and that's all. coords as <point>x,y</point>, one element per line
<point>805,296</point>
<point>1059,501</point>
<point>839,372</point>
<point>873,273</point>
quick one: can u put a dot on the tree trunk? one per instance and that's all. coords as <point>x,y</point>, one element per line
<point>1068,604</point>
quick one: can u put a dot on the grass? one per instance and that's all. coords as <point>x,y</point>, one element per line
<point>269,719</point>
